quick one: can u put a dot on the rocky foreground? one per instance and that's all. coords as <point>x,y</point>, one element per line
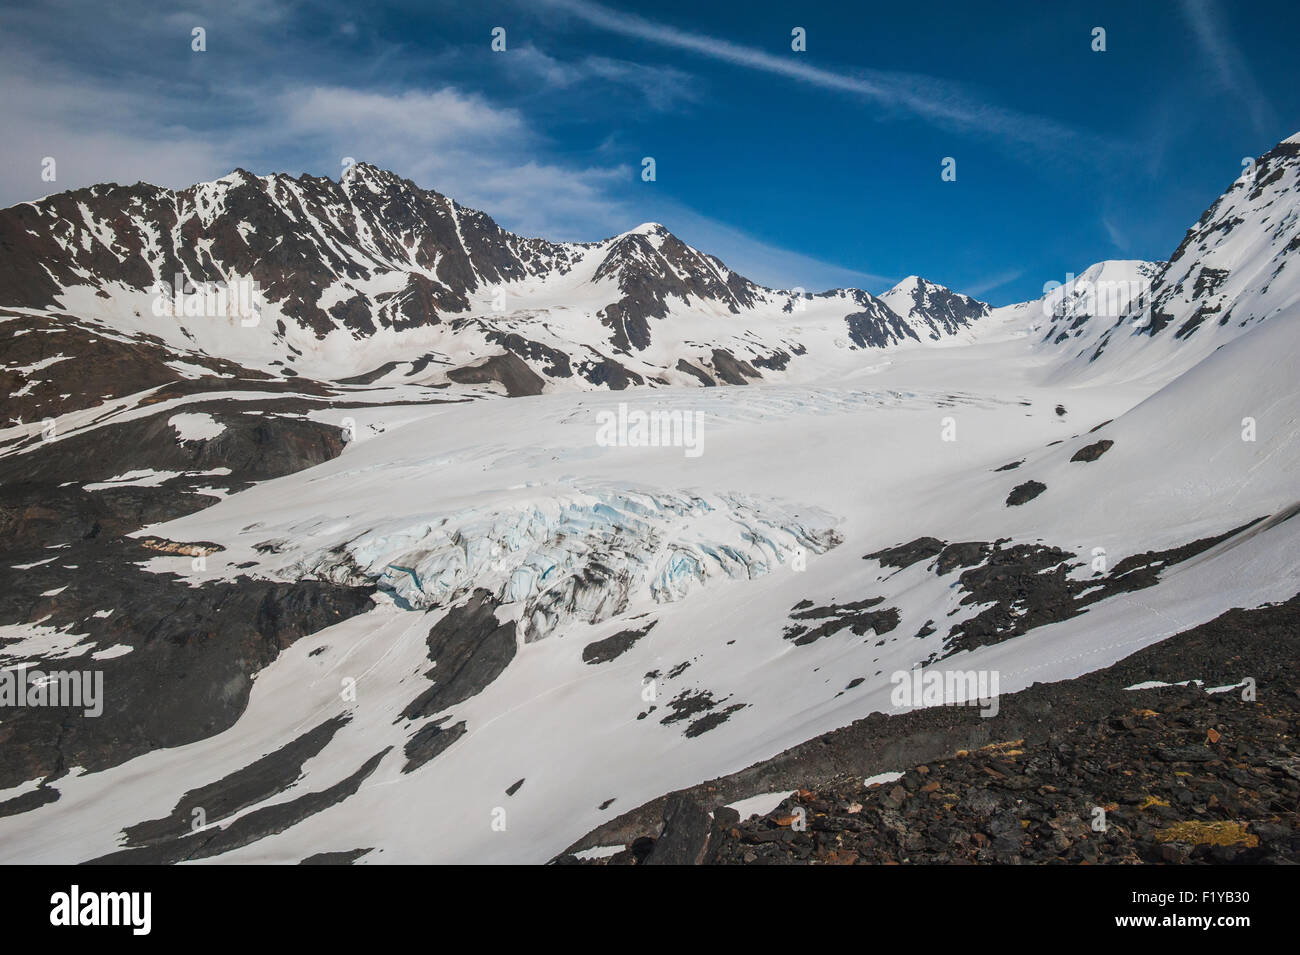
<point>1102,774</point>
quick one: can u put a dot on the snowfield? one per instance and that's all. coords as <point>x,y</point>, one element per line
<point>517,497</point>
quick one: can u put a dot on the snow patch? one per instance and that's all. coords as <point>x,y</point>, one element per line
<point>881,778</point>
<point>194,426</point>
<point>759,805</point>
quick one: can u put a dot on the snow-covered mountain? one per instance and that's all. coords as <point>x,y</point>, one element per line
<point>932,310</point>
<point>1231,269</point>
<point>351,604</point>
<point>374,277</point>
<point>1234,269</point>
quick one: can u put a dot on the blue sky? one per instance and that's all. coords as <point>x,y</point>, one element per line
<point>813,169</point>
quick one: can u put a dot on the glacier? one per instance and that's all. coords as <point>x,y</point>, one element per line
<point>581,553</point>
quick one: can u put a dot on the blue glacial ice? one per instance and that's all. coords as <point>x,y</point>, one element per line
<point>584,554</point>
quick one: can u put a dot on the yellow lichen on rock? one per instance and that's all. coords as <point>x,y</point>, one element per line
<point>1208,834</point>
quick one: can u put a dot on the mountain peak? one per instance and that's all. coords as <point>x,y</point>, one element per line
<point>932,309</point>
<point>653,231</point>
<point>907,285</point>
<point>370,175</point>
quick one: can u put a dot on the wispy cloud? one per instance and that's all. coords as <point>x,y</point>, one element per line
<point>1231,68</point>
<point>940,103</point>
<point>1115,234</point>
<point>661,87</point>
<point>987,285</point>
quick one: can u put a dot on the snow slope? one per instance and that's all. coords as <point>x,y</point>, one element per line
<point>868,453</point>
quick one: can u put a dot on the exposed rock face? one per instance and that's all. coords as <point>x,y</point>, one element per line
<point>250,827</point>
<point>375,255</point>
<point>857,617</point>
<point>932,310</point>
<point>239,790</point>
<point>1024,493</point>
<point>1199,283</point>
<point>1234,268</point>
<point>67,366</point>
<point>184,650</point>
<point>294,236</point>
<point>685,837</point>
<point>1093,451</point>
<point>191,653</point>
<point>731,370</point>
<point>430,741</point>
<point>905,555</point>
<point>506,370</point>
<point>651,266</point>
<point>611,648</point>
<point>469,648</point>
<point>1024,586</point>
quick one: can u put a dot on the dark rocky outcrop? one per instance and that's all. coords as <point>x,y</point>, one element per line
<point>430,741</point>
<point>731,369</point>
<point>602,651</point>
<point>1093,451</point>
<point>248,828</point>
<point>191,645</point>
<point>507,370</point>
<point>905,555</point>
<point>688,368</point>
<point>857,617</point>
<point>685,836</point>
<point>469,649</point>
<point>246,787</point>
<point>346,857</point>
<point>194,652</point>
<point>1024,493</point>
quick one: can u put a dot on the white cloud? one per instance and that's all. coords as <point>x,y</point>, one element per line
<point>416,119</point>
<point>94,134</point>
<point>463,146</point>
<point>479,153</point>
<point>662,87</point>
